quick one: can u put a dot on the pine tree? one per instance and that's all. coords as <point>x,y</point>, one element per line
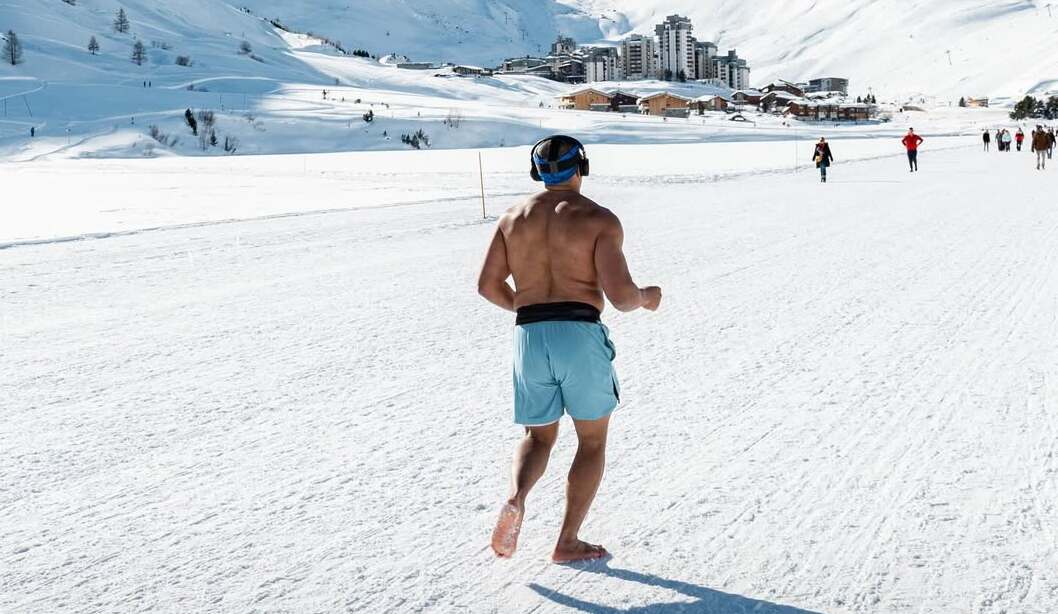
<point>121,22</point>
<point>192,123</point>
<point>245,48</point>
<point>93,46</point>
<point>1025,108</point>
<point>139,53</point>
<point>12,49</point>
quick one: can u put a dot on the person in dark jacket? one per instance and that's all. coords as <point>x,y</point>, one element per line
<point>987,138</point>
<point>823,158</point>
<point>1040,144</point>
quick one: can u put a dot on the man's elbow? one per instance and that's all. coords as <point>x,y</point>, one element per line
<point>628,302</point>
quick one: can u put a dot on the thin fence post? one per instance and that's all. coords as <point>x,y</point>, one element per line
<point>481,176</point>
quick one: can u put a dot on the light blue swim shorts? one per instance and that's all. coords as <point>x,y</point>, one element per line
<point>563,366</point>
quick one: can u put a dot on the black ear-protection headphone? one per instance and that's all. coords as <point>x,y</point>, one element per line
<point>581,160</point>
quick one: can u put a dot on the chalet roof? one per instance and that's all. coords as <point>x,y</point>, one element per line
<point>669,94</point>
<point>587,90</point>
<point>711,97</point>
<point>782,94</point>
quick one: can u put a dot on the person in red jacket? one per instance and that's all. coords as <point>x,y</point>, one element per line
<point>912,141</point>
<point>1019,138</point>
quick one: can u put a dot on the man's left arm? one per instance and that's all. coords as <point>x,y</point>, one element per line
<point>492,283</point>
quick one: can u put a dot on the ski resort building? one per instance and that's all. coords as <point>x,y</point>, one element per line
<point>829,111</point>
<point>585,99</point>
<point>601,64</point>
<point>747,97</point>
<point>464,70</point>
<point>563,46</point>
<point>713,102</point>
<point>537,67</point>
<point>732,70</point>
<point>638,58</point>
<point>665,104</point>
<point>783,86</point>
<point>828,84</point>
<point>676,48</point>
<point>624,102</point>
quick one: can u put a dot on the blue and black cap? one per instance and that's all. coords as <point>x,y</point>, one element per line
<point>557,159</point>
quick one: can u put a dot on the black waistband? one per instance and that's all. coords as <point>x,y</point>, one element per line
<point>558,312</point>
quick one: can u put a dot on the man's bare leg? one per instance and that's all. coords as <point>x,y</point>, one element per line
<point>584,478</point>
<point>530,462</point>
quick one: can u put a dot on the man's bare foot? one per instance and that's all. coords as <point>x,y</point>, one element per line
<point>505,536</point>
<point>578,551</point>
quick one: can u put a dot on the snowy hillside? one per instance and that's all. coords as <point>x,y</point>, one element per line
<point>267,84</point>
<point>998,47</point>
<point>897,47</point>
<point>467,31</point>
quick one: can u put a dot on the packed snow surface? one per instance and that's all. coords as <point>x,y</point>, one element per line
<point>847,402</point>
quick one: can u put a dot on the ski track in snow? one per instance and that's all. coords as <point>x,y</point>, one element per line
<point>846,404</point>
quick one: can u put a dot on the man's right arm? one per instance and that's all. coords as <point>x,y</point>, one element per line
<point>614,277</point>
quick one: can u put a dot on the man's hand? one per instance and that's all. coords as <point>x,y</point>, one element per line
<point>651,298</point>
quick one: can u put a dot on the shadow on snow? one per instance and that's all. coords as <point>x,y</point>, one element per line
<point>707,600</point>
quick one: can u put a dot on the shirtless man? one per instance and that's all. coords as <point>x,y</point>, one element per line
<point>564,253</point>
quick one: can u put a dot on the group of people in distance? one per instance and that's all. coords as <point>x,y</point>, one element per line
<point>1041,140</point>
<point>823,157</point>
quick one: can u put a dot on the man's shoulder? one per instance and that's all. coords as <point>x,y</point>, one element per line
<point>596,213</point>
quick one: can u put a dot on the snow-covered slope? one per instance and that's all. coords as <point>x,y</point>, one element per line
<point>270,96</point>
<point>464,31</point>
<point>998,47</point>
<point>896,47</point>
<point>55,36</point>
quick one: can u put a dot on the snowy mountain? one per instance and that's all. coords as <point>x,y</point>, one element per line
<point>467,31</point>
<point>897,47</point>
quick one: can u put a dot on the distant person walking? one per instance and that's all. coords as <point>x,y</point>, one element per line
<point>911,142</point>
<point>1051,139</point>
<point>987,138</point>
<point>1041,143</point>
<point>823,158</point>
<point>999,140</point>
<point>1019,138</point>
<point>1007,140</point>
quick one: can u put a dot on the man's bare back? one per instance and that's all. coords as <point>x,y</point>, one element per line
<point>561,246</point>
<point>550,242</point>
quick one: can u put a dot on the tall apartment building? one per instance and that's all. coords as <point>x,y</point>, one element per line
<point>675,48</point>
<point>565,45</point>
<point>601,64</point>
<point>638,57</point>
<point>704,53</point>
<point>732,70</point>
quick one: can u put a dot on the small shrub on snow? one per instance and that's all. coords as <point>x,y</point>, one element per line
<point>164,138</point>
<point>417,139</point>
